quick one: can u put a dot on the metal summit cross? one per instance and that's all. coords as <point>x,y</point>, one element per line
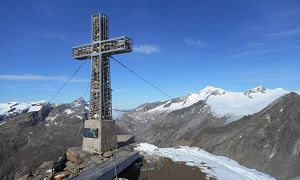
<point>98,133</point>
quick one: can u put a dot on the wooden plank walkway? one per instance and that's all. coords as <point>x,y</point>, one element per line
<point>106,170</point>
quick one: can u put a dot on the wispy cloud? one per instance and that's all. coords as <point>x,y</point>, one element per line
<point>197,43</point>
<point>146,49</point>
<point>36,87</point>
<point>283,34</point>
<point>249,53</point>
<point>13,77</point>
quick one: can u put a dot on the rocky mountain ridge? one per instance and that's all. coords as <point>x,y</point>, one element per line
<point>166,121</point>
<point>268,140</point>
<point>30,138</point>
<point>181,121</point>
<point>223,103</point>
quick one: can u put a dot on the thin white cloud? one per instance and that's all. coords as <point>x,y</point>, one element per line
<point>197,43</point>
<point>13,77</point>
<point>249,53</point>
<point>146,49</point>
<point>289,33</point>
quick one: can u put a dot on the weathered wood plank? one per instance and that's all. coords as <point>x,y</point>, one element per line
<point>106,170</point>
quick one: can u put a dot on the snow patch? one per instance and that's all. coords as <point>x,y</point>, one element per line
<point>51,118</point>
<point>1,123</point>
<point>273,152</point>
<point>79,117</point>
<point>268,117</point>
<point>296,149</point>
<point>49,171</point>
<point>215,166</point>
<point>69,111</point>
<point>139,109</point>
<point>34,108</point>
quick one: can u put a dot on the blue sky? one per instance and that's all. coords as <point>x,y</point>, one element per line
<point>180,46</point>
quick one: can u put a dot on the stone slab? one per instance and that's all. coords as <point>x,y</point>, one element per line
<point>106,140</point>
<point>108,135</point>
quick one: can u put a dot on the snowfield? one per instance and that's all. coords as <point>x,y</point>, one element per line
<point>221,167</point>
<point>233,105</point>
<point>13,108</point>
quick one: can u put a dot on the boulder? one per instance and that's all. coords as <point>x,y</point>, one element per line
<point>75,154</point>
<point>97,159</point>
<point>71,167</point>
<point>107,154</point>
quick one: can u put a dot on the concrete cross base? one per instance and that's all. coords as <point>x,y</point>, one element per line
<point>106,140</point>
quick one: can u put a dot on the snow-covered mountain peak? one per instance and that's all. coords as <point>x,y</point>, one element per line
<point>232,105</point>
<point>259,89</point>
<point>212,91</point>
<point>14,108</point>
<point>80,100</point>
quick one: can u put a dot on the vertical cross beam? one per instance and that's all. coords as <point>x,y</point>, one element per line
<point>100,99</point>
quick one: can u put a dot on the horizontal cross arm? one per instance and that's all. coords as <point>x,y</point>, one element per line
<point>82,52</point>
<point>116,45</point>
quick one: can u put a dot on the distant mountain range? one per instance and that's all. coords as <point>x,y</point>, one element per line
<point>258,128</point>
<point>232,105</point>
<point>210,107</point>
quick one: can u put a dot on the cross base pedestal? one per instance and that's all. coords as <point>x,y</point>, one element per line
<point>106,138</point>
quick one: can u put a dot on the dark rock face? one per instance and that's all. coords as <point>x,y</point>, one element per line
<point>165,128</point>
<point>268,140</point>
<point>29,139</point>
